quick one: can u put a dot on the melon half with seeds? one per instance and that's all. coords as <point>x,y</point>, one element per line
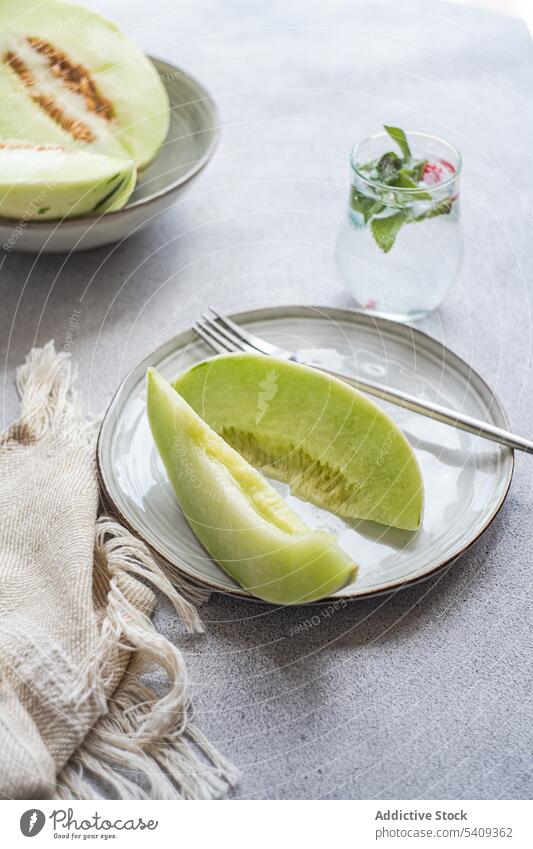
<point>69,79</point>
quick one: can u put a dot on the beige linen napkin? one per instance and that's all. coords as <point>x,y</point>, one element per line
<point>75,632</point>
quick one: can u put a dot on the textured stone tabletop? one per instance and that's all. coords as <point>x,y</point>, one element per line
<point>427,693</point>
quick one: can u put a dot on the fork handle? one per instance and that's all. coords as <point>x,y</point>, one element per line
<point>435,411</point>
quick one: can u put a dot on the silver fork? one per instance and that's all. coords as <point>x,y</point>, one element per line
<point>223,335</point>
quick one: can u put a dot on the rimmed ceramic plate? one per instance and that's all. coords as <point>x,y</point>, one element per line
<point>466,478</point>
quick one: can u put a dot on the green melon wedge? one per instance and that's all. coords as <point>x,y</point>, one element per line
<point>240,519</point>
<point>41,183</point>
<point>332,445</point>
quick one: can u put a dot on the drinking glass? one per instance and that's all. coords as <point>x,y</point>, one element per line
<point>400,248</point>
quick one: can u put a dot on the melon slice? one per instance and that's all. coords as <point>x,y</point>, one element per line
<point>70,77</point>
<point>332,445</point>
<point>240,519</point>
<point>39,182</point>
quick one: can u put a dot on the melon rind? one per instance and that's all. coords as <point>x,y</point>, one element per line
<point>50,184</point>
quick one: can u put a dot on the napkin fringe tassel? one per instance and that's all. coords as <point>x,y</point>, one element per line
<point>47,398</point>
<point>143,746</point>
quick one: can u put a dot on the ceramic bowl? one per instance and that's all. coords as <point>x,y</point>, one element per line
<point>191,141</point>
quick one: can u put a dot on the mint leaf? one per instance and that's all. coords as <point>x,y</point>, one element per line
<point>365,206</point>
<point>388,166</point>
<point>404,181</point>
<point>417,170</point>
<point>400,138</point>
<point>396,173</point>
<point>442,208</point>
<point>385,230</point>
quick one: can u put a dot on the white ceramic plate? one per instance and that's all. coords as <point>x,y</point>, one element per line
<point>466,478</point>
<point>192,138</point>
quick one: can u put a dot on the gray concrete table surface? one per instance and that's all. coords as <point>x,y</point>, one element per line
<point>427,693</point>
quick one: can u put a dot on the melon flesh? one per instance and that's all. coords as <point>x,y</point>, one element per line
<point>40,183</point>
<point>332,445</point>
<point>70,77</point>
<point>239,518</point>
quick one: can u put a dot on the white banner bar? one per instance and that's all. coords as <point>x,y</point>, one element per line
<point>269,825</point>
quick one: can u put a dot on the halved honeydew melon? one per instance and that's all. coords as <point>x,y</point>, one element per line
<point>240,519</point>
<point>332,445</point>
<point>70,77</point>
<point>42,182</point>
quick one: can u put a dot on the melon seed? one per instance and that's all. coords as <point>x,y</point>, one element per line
<point>75,77</point>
